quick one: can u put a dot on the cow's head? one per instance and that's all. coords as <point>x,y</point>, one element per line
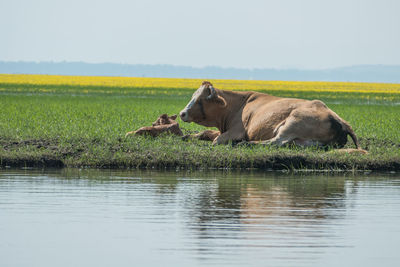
<point>164,120</point>
<point>204,104</point>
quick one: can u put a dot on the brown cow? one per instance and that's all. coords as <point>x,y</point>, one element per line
<point>163,124</point>
<point>265,119</point>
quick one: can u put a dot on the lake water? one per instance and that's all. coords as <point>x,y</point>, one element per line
<point>118,218</point>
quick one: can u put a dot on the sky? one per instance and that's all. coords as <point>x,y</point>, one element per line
<point>304,34</point>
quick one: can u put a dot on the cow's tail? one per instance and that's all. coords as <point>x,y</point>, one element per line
<point>353,136</point>
<point>349,131</point>
<point>346,130</point>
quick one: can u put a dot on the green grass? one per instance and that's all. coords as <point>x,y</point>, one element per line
<point>75,126</point>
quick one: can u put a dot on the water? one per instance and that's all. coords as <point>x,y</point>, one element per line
<point>113,218</point>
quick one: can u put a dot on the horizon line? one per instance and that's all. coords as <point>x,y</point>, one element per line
<point>205,67</point>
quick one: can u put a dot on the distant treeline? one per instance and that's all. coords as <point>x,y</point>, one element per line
<point>362,73</point>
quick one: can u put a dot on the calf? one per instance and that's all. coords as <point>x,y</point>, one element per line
<point>163,124</point>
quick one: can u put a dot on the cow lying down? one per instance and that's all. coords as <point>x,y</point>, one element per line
<point>258,118</point>
<point>168,125</point>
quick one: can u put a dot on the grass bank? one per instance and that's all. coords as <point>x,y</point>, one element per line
<point>81,121</point>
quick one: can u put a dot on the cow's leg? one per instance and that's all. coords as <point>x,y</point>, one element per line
<point>232,135</point>
<point>296,130</point>
<point>277,140</point>
<point>207,135</point>
<point>282,137</point>
<point>286,140</point>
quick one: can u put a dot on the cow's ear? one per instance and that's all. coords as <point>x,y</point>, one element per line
<point>220,100</point>
<point>173,117</point>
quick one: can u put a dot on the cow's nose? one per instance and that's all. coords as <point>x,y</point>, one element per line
<point>183,115</point>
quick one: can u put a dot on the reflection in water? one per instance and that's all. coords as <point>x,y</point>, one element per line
<point>266,214</point>
<point>183,218</point>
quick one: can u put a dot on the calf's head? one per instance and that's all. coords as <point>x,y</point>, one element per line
<point>203,106</point>
<point>164,120</point>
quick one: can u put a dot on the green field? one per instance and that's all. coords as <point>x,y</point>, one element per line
<point>82,126</point>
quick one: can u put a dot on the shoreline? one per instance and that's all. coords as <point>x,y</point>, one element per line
<point>122,155</point>
<point>270,164</point>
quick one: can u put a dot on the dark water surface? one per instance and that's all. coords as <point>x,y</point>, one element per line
<point>114,218</point>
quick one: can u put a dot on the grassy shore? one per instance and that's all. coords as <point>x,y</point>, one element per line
<point>81,122</point>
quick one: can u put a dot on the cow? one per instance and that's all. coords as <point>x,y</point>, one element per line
<point>259,118</point>
<point>163,124</point>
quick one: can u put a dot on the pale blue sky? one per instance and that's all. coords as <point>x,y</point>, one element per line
<point>244,34</point>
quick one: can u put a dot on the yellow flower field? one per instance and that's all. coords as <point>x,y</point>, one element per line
<point>194,83</point>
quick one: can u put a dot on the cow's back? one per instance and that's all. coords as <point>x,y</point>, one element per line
<point>263,114</point>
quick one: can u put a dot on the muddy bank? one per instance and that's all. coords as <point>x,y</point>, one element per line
<point>121,153</point>
<point>272,163</point>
